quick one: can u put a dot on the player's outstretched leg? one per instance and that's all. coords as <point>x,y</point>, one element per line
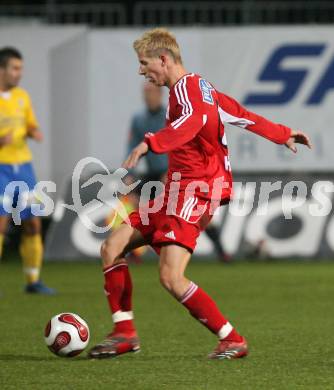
<point>173,262</point>
<point>118,289</point>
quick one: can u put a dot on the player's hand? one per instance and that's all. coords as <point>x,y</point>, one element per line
<point>36,135</point>
<point>135,155</point>
<point>6,139</point>
<point>297,137</point>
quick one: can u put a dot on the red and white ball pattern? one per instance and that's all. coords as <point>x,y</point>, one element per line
<point>66,334</point>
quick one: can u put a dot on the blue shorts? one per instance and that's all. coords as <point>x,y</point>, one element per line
<point>18,195</point>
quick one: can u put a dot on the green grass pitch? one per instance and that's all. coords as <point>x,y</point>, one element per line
<point>286,311</point>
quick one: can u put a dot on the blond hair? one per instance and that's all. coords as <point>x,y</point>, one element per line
<point>157,41</point>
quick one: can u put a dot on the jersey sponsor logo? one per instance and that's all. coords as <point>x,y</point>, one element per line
<point>292,79</point>
<point>206,90</point>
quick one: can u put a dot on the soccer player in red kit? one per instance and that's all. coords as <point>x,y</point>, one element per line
<point>199,180</point>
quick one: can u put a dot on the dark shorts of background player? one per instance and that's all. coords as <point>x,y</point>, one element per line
<point>181,228</point>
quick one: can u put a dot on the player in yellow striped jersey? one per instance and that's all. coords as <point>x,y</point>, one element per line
<point>17,123</point>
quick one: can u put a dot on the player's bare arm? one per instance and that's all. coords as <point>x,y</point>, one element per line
<point>298,137</point>
<point>135,155</point>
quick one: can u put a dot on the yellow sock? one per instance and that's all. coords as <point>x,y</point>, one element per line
<point>2,237</point>
<point>31,251</point>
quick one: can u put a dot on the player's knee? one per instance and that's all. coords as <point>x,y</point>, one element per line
<point>169,280</point>
<point>166,282</point>
<point>108,252</point>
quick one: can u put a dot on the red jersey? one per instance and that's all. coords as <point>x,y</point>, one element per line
<point>194,136</point>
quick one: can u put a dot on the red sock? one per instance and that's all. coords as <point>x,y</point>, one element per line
<point>204,309</point>
<point>118,288</point>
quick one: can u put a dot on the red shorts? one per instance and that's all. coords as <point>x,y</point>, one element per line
<point>181,225</point>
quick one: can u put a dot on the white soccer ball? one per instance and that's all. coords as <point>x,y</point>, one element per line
<point>66,334</point>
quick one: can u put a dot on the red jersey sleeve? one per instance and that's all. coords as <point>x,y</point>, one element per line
<point>232,112</point>
<point>189,120</point>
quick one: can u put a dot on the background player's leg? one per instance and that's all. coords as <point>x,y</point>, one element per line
<point>173,262</point>
<point>6,176</point>
<point>31,245</point>
<point>3,229</point>
<point>212,232</point>
<point>31,251</point>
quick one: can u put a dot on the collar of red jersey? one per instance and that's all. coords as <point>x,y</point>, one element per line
<point>185,75</point>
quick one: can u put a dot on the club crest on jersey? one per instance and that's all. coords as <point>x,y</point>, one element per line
<point>206,89</point>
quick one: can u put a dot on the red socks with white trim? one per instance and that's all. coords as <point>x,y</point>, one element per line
<point>205,310</point>
<point>118,289</point>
